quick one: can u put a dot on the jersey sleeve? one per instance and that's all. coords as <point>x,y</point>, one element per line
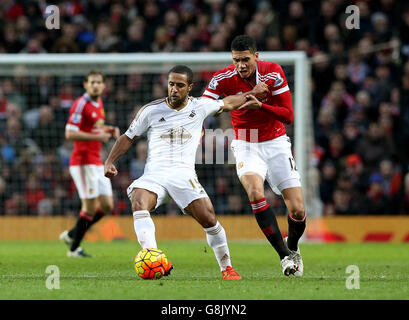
<point>277,81</point>
<point>75,116</point>
<point>139,125</point>
<point>212,107</point>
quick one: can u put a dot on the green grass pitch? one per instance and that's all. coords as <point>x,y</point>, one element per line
<point>383,272</point>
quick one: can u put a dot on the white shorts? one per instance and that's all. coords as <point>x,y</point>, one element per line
<point>181,185</point>
<point>272,160</point>
<point>90,181</point>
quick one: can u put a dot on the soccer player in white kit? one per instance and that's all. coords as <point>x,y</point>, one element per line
<point>174,128</point>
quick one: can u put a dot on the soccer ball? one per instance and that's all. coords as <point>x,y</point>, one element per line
<point>151,264</point>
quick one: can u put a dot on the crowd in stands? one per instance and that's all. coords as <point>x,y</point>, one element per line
<point>360,94</point>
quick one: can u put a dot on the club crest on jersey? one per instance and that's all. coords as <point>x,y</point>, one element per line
<point>213,84</point>
<point>192,114</point>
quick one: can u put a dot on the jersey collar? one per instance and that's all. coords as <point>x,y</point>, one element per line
<point>88,98</point>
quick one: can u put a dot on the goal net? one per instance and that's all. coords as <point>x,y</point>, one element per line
<point>37,91</point>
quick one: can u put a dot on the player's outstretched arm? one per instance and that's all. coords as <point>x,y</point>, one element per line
<point>78,135</point>
<point>112,130</point>
<point>235,101</point>
<point>120,147</point>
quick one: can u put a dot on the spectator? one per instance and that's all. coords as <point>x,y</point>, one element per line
<point>391,178</point>
<point>342,202</point>
<point>352,135</point>
<point>235,204</point>
<point>16,205</point>
<point>377,202</point>
<point>404,197</point>
<point>374,146</point>
<point>33,194</point>
<point>48,133</point>
<point>3,194</point>
<point>360,94</point>
<point>355,170</point>
<point>328,181</point>
<point>105,40</point>
<point>162,41</point>
<point>137,165</point>
<point>134,41</point>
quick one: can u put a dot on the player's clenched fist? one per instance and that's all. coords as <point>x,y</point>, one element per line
<point>103,136</point>
<point>252,103</point>
<point>260,90</point>
<point>110,170</point>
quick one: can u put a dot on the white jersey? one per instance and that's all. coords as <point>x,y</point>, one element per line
<point>173,136</point>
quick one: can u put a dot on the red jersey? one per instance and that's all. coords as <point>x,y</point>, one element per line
<point>88,116</point>
<point>228,82</point>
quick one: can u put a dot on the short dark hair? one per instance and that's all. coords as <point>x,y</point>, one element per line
<point>94,73</point>
<point>243,43</point>
<point>182,70</point>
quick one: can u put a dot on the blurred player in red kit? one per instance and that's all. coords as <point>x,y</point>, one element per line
<point>261,147</point>
<point>85,126</point>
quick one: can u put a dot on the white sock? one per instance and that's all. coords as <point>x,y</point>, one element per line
<point>144,229</point>
<point>216,238</point>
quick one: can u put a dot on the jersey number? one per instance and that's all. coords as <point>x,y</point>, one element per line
<point>292,164</point>
<point>196,184</point>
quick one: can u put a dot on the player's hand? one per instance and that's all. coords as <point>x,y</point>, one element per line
<point>103,136</point>
<point>110,170</point>
<point>260,91</point>
<point>116,133</point>
<point>252,103</point>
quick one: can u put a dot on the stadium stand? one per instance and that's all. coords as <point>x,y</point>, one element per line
<point>360,94</point>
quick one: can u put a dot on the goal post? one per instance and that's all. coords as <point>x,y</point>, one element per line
<point>295,64</point>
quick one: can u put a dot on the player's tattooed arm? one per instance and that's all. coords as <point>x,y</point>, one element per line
<point>120,147</point>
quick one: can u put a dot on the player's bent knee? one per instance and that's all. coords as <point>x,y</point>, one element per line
<point>107,208</point>
<point>202,210</point>
<point>90,206</point>
<point>142,200</point>
<point>139,204</point>
<point>255,193</point>
<point>297,214</point>
<point>210,221</point>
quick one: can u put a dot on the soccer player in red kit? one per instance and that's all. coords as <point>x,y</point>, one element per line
<point>86,128</point>
<point>261,147</point>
